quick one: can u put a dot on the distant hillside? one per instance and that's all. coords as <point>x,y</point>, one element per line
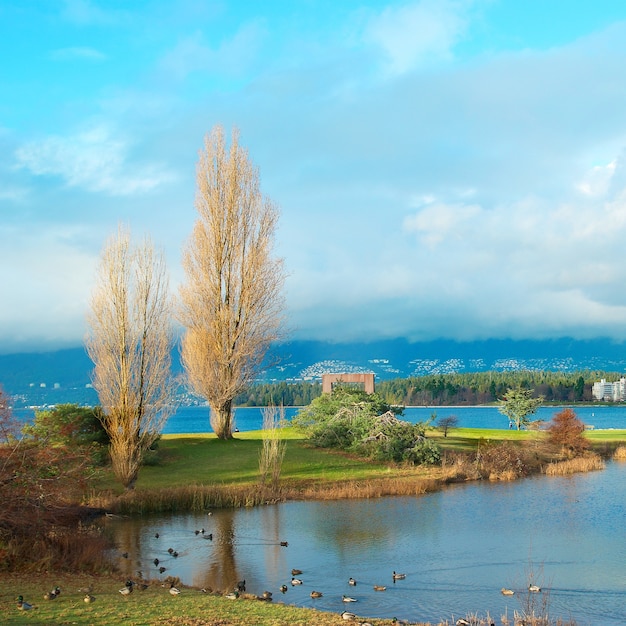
<point>64,376</point>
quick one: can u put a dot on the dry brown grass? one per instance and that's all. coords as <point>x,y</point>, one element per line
<point>587,463</point>
<point>620,453</point>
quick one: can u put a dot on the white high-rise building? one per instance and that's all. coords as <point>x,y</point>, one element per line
<point>614,392</point>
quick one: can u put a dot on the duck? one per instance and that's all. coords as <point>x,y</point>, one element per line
<point>241,585</point>
<point>267,595</point>
<point>352,582</point>
<point>296,581</point>
<point>397,576</point>
<point>174,591</point>
<point>296,572</point>
<point>283,588</point>
<point>507,592</point>
<point>88,599</point>
<point>316,594</point>
<point>379,588</point>
<point>53,594</point>
<point>162,569</point>
<point>22,605</point>
<point>284,544</point>
<point>348,599</point>
<point>208,536</point>
<point>348,615</point>
<point>534,588</point>
<point>127,589</point>
<point>233,595</point>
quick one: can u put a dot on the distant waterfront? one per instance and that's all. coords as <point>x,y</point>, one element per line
<point>195,419</point>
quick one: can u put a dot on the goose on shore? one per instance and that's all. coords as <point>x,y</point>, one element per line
<point>88,599</point>
<point>348,615</point>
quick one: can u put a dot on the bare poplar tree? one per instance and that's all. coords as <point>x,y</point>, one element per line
<point>231,302</point>
<point>129,342</point>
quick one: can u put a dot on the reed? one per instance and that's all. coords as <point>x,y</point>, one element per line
<point>587,463</point>
<point>620,453</point>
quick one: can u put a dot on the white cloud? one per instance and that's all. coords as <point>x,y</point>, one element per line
<point>439,221</point>
<point>419,33</point>
<point>79,52</point>
<point>93,160</point>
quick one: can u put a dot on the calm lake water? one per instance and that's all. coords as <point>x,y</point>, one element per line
<point>457,547</point>
<point>195,419</point>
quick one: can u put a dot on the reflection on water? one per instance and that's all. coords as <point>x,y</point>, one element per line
<point>458,548</point>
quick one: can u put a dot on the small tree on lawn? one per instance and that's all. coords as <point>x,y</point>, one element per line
<point>446,423</point>
<point>566,430</point>
<point>518,405</point>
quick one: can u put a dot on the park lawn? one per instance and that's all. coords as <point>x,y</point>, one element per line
<point>204,460</point>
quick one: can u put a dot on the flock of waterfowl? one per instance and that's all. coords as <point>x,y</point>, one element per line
<point>240,587</point>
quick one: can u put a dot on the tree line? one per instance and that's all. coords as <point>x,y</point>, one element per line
<point>462,389</point>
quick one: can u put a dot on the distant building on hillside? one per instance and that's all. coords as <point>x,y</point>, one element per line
<point>613,392</point>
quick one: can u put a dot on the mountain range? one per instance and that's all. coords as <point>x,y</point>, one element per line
<point>64,375</point>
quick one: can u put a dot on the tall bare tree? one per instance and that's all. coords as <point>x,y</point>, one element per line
<point>130,342</point>
<point>231,302</point>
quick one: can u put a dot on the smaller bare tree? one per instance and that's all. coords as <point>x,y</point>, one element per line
<point>130,344</point>
<point>274,446</point>
<point>446,423</point>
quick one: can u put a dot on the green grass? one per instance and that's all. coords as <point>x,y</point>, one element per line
<point>206,460</point>
<point>144,608</point>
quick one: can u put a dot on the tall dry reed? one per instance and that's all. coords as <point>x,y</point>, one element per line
<point>620,453</point>
<point>273,450</point>
<point>587,463</point>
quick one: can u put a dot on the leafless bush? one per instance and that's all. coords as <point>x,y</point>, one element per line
<point>41,526</point>
<point>502,461</point>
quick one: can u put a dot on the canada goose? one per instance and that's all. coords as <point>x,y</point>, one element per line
<point>348,599</point>
<point>296,581</point>
<point>22,605</point>
<point>348,615</point>
<point>316,594</point>
<point>379,588</point>
<point>398,576</point>
<point>162,569</point>
<point>534,588</point>
<point>507,592</point>
<point>88,599</point>
<point>352,582</point>
<point>241,585</point>
<point>156,562</point>
<point>174,591</point>
<point>283,588</point>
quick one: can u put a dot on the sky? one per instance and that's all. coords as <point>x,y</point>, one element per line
<point>444,168</point>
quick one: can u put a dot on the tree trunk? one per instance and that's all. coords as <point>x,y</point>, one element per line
<point>222,420</point>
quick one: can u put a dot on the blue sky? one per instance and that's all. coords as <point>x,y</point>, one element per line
<point>444,168</point>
